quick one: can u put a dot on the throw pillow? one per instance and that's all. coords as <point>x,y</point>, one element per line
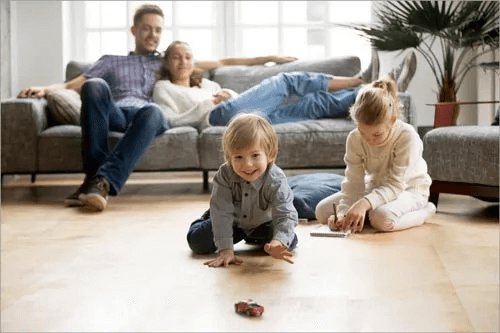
<point>64,106</point>
<point>309,189</point>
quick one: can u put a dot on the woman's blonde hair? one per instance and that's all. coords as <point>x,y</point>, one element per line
<point>248,129</point>
<point>376,102</point>
<point>164,72</point>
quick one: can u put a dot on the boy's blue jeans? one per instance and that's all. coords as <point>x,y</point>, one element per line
<point>201,238</point>
<point>288,97</point>
<point>100,115</point>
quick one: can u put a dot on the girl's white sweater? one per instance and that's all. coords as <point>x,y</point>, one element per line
<point>380,174</point>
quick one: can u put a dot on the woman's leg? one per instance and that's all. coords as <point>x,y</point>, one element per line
<point>317,105</point>
<point>270,94</point>
<point>408,210</point>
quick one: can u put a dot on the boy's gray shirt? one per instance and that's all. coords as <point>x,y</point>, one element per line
<point>248,205</point>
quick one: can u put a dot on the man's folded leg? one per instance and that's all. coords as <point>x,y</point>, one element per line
<point>147,123</point>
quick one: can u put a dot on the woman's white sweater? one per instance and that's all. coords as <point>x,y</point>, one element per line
<point>186,106</point>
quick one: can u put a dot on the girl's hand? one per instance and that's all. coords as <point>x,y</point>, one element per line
<point>278,251</point>
<point>335,223</point>
<point>225,258</point>
<point>220,96</point>
<point>355,216</point>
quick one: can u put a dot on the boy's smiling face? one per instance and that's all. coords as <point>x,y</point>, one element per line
<point>250,162</point>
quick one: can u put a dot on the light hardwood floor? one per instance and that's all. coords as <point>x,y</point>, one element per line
<point>129,268</point>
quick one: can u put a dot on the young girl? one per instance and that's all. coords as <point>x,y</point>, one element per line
<point>251,198</point>
<point>385,174</point>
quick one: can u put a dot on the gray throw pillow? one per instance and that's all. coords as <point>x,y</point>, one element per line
<point>64,106</point>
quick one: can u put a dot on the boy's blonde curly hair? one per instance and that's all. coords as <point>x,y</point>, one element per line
<point>247,129</point>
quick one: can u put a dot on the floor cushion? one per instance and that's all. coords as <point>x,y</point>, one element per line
<point>309,189</point>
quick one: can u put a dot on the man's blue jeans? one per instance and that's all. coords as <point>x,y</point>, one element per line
<point>288,97</point>
<point>99,116</point>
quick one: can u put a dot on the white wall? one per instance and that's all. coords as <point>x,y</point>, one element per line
<point>488,85</point>
<point>37,46</point>
<point>5,50</point>
<point>37,43</point>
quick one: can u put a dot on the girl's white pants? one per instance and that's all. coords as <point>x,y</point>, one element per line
<point>408,210</point>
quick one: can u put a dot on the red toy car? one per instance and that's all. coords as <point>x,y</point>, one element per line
<point>249,307</point>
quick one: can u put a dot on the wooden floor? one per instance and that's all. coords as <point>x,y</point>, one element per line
<point>129,268</point>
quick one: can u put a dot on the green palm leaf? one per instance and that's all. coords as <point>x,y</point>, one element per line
<point>458,26</point>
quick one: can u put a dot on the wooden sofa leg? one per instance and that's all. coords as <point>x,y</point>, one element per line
<point>33,177</point>
<point>434,198</point>
<point>205,180</point>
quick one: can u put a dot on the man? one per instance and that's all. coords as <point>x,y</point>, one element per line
<point>115,95</point>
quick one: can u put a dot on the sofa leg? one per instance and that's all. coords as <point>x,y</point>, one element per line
<point>205,180</point>
<point>33,177</point>
<point>434,198</point>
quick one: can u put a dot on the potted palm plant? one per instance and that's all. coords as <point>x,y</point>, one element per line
<point>465,30</point>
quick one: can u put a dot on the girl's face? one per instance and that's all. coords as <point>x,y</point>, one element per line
<point>250,162</point>
<point>180,62</point>
<point>377,135</point>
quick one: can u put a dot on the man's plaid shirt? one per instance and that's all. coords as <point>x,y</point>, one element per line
<point>130,78</point>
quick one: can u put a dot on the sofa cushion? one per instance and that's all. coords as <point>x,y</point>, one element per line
<point>302,145</point>
<point>309,189</point>
<point>177,149</point>
<point>64,106</point>
<point>240,78</point>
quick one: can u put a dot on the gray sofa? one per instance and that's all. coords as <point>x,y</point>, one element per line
<point>33,143</point>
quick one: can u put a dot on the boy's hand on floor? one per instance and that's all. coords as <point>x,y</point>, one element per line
<point>278,251</point>
<point>225,258</point>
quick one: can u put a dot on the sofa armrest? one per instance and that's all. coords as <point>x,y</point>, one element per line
<point>22,121</point>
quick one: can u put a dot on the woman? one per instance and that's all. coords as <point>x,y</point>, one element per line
<point>187,99</point>
<point>182,93</point>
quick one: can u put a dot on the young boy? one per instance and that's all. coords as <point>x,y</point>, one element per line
<point>251,198</point>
